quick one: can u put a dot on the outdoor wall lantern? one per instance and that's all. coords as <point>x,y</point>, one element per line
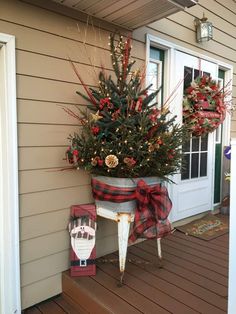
<point>204,29</point>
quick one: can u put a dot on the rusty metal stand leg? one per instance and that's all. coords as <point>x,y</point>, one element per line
<point>123,220</point>
<point>159,252</point>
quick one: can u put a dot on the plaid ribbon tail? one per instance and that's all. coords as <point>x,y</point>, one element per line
<point>153,208</point>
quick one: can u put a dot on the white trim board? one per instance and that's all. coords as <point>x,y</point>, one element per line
<point>9,203</point>
<point>232,235</point>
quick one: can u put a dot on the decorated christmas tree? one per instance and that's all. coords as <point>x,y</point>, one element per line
<point>125,132</point>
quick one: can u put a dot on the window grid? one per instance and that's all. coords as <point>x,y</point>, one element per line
<point>194,153</point>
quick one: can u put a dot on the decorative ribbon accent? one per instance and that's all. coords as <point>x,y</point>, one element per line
<point>153,206</point>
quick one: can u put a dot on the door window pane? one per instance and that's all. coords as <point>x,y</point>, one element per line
<point>188,74</point>
<point>195,144</point>
<point>204,143</point>
<point>196,73</point>
<point>152,75</point>
<point>203,168</point>
<point>194,165</point>
<point>185,167</point>
<point>196,149</point>
<point>206,73</point>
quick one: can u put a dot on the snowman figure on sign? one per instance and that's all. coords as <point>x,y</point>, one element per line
<point>82,232</point>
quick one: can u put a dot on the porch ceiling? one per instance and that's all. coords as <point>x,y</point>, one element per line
<point>129,14</point>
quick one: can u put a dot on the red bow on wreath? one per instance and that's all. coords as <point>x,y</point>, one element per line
<point>153,207</point>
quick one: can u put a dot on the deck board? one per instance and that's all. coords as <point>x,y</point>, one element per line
<point>204,244</point>
<point>193,279</point>
<point>134,292</point>
<point>203,296</point>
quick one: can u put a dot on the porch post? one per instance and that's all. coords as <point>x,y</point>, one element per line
<point>232,237</point>
<point>9,202</point>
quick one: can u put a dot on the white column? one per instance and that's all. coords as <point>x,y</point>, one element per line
<point>232,237</point>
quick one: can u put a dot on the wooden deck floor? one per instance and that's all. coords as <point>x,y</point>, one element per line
<point>193,280</point>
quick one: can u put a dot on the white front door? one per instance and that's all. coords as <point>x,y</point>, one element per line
<point>193,192</point>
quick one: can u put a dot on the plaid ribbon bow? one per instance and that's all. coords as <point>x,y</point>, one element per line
<point>153,207</point>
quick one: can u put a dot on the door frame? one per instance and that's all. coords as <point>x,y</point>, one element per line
<point>170,83</point>
<point>170,48</point>
<point>9,200</point>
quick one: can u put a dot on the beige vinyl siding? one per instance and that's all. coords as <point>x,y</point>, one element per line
<point>179,29</point>
<point>45,82</point>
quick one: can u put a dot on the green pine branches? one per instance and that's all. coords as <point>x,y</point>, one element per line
<point>125,133</point>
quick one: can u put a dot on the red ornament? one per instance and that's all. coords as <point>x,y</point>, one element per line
<point>105,102</point>
<point>95,129</point>
<point>100,162</point>
<point>75,152</point>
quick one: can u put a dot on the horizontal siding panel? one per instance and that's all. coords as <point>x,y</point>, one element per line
<point>141,33</point>
<point>233,125</point>
<point>30,111</point>
<point>187,21</point>
<point>45,135</point>
<point>44,267</point>
<point>53,200</point>
<point>178,31</point>
<point>31,158</point>
<point>217,20</point>
<point>220,10</point>
<point>39,225</point>
<point>60,47</point>
<point>43,224</point>
<point>105,228</point>
<point>41,290</point>
<point>48,90</point>
<point>234,94</point>
<point>32,64</point>
<point>107,245</point>
<point>35,248</point>
<point>42,180</point>
<point>229,4</point>
<point>57,69</point>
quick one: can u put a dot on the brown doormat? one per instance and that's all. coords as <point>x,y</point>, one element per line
<point>208,227</point>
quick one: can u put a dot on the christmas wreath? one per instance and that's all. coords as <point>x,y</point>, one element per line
<point>204,106</point>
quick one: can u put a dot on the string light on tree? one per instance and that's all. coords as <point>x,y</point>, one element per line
<point>124,125</point>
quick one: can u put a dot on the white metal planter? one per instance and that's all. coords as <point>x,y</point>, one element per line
<point>123,213</point>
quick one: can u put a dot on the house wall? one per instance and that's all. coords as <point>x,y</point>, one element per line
<point>179,29</point>
<point>45,80</point>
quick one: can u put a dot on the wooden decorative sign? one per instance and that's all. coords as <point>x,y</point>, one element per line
<point>82,228</point>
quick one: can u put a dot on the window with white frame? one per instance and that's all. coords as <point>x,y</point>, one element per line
<point>155,72</point>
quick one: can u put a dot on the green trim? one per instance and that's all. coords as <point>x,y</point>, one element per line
<point>217,179</point>
<point>218,158</point>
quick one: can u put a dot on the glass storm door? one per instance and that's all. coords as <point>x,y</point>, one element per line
<point>193,193</point>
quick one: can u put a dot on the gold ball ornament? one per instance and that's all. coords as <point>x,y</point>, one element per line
<point>111,161</point>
